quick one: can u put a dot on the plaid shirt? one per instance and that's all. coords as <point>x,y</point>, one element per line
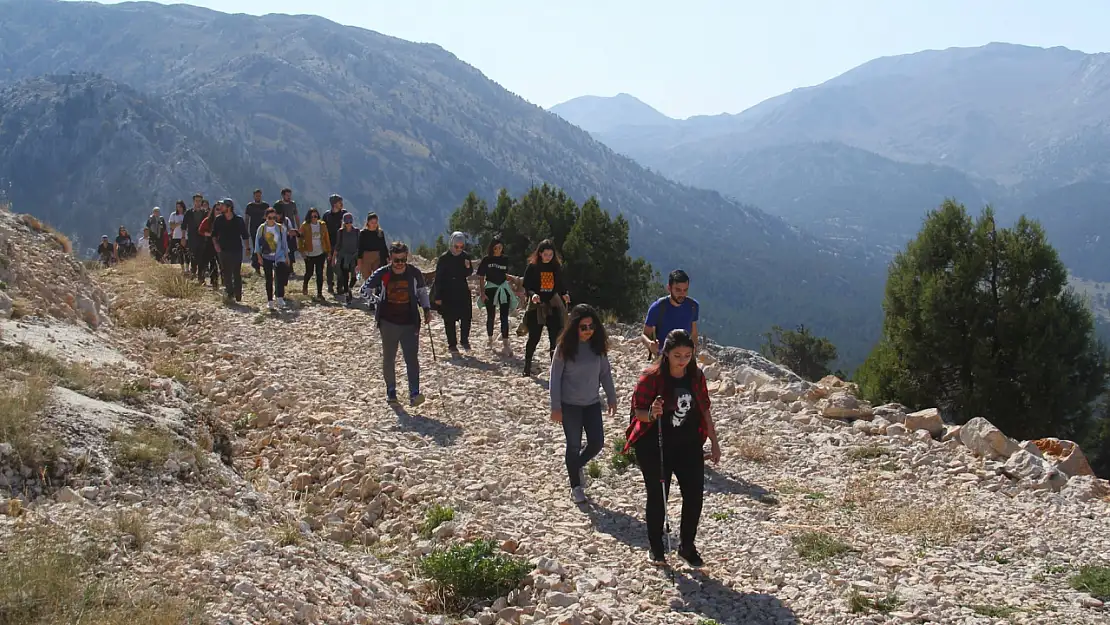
<point>652,386</point>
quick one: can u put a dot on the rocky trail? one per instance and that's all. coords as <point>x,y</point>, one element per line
<point>288,491</point>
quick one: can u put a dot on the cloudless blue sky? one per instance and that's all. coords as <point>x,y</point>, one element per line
<point>690,57</point>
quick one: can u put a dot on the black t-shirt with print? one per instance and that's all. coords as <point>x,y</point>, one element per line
<point>680,411</point>
<point>494,269</point>
<point>397,299</point>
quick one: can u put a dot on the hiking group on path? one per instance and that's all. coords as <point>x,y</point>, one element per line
<point>670,414</point>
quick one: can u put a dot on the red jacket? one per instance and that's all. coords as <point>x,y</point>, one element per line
<point>650,387</point>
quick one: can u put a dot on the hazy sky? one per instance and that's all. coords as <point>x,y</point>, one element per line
<point>709,56</point>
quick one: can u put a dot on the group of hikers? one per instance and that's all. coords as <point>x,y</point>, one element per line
<point>670,418</point>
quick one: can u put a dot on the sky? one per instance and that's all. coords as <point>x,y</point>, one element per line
<point>696,57</point>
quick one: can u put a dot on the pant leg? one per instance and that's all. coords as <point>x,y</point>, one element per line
<point>647,457</point>
<point>594,427</point>
<point>391,338</point>
<point>535,331</point>
<point>689,470</point>
<point>318,267</point>
<point>504,310</point>
<point>450,328</point>
<point>330,271</point>
<point>490,311</point>
<point>344,276</point>
<point>572,430</point>
<point>466,319</point>
<point>410,347</point>
<point>307,272</point>
<point>554,327</point>
<point>282,277</point>
<point>229,263</point>
<point>268,269</point>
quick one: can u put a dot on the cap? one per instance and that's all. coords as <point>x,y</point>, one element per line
<point>227,202</point>
<point>103,236</point>
<point>335,198</point>
<point>348,219</point>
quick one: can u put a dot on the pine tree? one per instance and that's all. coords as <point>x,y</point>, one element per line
<point>980,322</point>
<point>800,351</point>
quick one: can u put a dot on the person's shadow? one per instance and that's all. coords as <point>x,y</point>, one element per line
<point>700,594</point>
<point>717,482</point>
<point>709,598</point>
<point>442,434</point>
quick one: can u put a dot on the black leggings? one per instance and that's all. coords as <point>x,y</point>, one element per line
<point>346,275</point>
<point>315,264</point>
<point>554,323</point>
<point>270,268</point>
<point>490,309</point>
<point>209,265</point>
<point>460,313</point>
<point>686,462</point>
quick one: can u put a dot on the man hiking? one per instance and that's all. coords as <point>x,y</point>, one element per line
<point>157,234</point>
<point>193,240</point>
<point>229,235</point>
<point>404,295</point>
<point>287,214</point>
<point>255,217</point>
<point>676,311</point>
<point>333,219</point>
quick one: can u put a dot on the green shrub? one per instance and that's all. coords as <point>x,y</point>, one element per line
<point>1093,580</point>
<point>437,515</point>
<point>621,461</point>
<point>473,571</point>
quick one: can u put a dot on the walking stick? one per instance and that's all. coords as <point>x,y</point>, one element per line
<point>663,489</point>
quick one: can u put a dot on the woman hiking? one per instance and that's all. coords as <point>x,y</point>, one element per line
<point>271,247</point>
<point>580,364</point>
<point>497,294</point>
<point>373,249</point>
<point>671,420</point>
<point>315,247</point>
<point>177,235</point>
<point>548,299</point>
<point>208,262</point>
<point>344,253</point>
<point>125,247</point>
<point>451,293</point>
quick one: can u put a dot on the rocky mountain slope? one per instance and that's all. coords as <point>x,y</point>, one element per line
<point>408,130</point>
<point>284,489</point>
<point>1015,126</point>
<point>598,114</point>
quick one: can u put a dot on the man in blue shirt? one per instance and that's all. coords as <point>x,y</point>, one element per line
<point>677,311</point>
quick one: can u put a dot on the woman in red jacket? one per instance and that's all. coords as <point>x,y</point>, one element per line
<point>671,422</point>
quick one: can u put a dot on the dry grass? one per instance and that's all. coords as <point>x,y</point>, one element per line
<point>73,376</point>
<point>21,308</point>
<point>173,368</point>
<point>45,578</point>
<point>166,280</point>
<point>147,314</point>
<point>33,223</point>
<point>867,452</point>
<point>133,529</point>
<point>63,242</point>
<point>753,449</point>
<point>21,423</point>
<point>941,523</point>
<point>143,448</point>
<point>202,537</point>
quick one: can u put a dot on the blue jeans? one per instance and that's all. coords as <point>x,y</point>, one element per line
<point>575,420</point>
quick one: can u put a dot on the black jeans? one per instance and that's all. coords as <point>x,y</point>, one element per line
<point>209,265</point>
<point>270,268</point>
<point>685,460</point>
<point>315,264</point>
<point>554,323</point>
<point>491,308</point>
<point>462,314</point>
<point>575,420</point>
<point>330,271</point>
<point>347,277</point>
<point>230,262</point>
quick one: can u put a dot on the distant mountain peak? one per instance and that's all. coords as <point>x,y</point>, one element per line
<point>603,113</point>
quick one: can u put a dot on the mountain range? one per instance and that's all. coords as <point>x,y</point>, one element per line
<point>107,110</point>
<point>862,157</point>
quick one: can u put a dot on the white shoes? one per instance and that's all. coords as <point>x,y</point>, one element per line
<point>281,302</point>
<point>271,305</point>
<point>578,494</point>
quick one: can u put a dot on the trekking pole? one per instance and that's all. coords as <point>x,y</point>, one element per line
<point>663,489</point>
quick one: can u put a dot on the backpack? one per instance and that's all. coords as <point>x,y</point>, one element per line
<point>662,308</point>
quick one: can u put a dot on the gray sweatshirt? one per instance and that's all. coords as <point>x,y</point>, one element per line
<point>575,382</point>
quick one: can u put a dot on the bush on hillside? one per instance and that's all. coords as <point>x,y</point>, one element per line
<point>800,351</point>
<point>477,570</point>
<point>594,245</point>
<point>979,322</point>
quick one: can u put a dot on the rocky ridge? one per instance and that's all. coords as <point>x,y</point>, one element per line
<point>289,492</point>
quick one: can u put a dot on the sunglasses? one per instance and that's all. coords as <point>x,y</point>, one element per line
<point>400,261</point>
<point>586,327</point>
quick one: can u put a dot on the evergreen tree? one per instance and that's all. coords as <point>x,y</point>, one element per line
<point>979,322</point>
<point>800,351</point>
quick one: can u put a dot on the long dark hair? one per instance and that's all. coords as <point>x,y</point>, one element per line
<point>308,215</point>
<point>546,244</point>
<point>180,203</point>
<point>494,243</point>
<point>567,344</point>
<point>676,338</point>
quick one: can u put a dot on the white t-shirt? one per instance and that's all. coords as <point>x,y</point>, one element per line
<point>175,221</point>
<point>317,242</point>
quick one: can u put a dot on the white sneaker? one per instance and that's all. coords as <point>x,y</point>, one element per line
<point>281,302</point>
<point>270,304</point>
<point>578,494</point>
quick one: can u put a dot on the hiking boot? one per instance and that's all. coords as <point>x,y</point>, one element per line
<point>656,557</point>
<point>691,556</point>
<point>454,352</point>
<point>304,290</point>
<point>465,346</point>
<point>416,400</point>
<point>578,494</point>
<point>391,398</point>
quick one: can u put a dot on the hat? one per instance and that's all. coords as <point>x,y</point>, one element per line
<point>103,236</point>
<point>348,218</point>
<point>156,210</point>
<point>227,202</point>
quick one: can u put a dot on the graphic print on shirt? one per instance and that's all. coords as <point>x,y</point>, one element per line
<point>270,235</point>
<point>397,292</point>
<point>547,281</point>
<point>684,401</point>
